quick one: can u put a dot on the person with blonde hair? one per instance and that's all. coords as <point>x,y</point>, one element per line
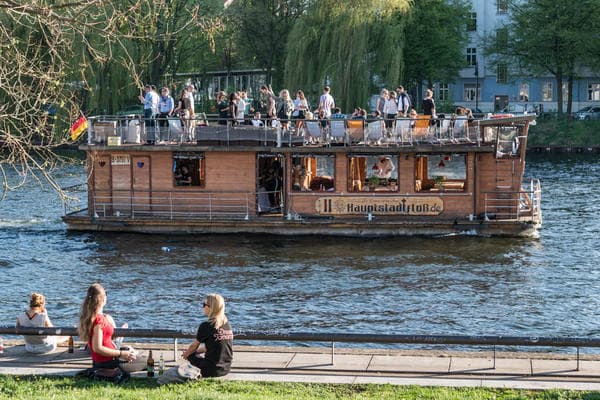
<point>212,350</point>
<point>37,317</point>
<point>97,328</point>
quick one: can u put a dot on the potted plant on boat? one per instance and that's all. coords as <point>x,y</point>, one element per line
<point>438,182</point>
<point>373,182</point>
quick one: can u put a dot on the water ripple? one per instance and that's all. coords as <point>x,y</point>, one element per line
<point>447,285</point>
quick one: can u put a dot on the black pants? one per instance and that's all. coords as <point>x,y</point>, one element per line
<point>207,368</point>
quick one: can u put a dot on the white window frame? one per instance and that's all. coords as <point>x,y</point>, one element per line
<point>471,56</point>
<point>524,91</point>
<point>502,6</point>
<point>501,73</point>
<point>443,92</point>
<point>547,91</point>
<point>593,91</point>
<point>471,91</point>
<point>472,22</point>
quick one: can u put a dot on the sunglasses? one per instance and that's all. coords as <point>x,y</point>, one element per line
<point>204,305</point>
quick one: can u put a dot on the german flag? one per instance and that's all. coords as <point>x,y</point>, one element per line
<point>78,127</point>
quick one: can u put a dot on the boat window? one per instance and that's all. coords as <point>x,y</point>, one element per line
<point>509,142</point>
<point>370,173</point>
<point>188,169</point>
<point>313,173</point>
<point>440,172</point>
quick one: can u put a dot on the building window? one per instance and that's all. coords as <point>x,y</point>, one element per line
<point>312,173</point>
<point>188,169</point>
<point>565,91</point>
<point>502,74</point>
<point>502,6</point>
<point>547,91</point>
<point>471,56</point>
<point>440,172</point>
<point>502,38</point>
<point>443,92</point>
<point>594,91</point>
<point>369,173</point>
<point>471,92</point>
<point>472,22</point>
<point>524,92</point>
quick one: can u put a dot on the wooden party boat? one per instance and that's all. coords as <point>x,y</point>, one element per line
<point>354,178</point>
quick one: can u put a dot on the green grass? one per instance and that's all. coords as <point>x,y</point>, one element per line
<point>62,388</point>
<point>553,132</point>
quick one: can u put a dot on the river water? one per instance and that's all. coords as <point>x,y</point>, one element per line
<point>452,285</point>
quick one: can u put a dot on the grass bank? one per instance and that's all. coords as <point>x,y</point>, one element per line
<point>552,132</point>
<point>59,388</point>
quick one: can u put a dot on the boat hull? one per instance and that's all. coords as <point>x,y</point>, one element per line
<point>322,227</point>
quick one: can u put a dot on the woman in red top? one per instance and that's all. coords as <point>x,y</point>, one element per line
<point>97,329</point>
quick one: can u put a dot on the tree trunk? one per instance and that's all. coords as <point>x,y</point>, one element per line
<point>559,91</point>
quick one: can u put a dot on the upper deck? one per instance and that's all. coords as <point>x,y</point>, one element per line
<point>337,135</point>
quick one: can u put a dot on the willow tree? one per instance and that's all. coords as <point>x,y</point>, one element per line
<point>351,45</point>
<point>48,50</point>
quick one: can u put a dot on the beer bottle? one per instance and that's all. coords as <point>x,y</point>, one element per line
<point>161,364</point>
<point>71,345</point>
<point>150,365</point>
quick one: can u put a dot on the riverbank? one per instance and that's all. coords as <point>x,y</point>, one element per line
<point>564,136</point>
<point>385,373</point>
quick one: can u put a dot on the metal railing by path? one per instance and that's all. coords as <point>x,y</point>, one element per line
<point>333,338</point>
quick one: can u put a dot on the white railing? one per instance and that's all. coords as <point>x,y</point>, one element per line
<point>178,205</point>
<point>120,130</point>
<point>515,205</point>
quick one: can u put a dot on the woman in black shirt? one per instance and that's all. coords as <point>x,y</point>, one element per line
<point>212,351</point>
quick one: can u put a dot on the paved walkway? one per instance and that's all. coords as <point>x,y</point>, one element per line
<point>311,364</point>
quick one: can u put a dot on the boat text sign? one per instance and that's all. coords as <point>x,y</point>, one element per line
<point>392,205</point>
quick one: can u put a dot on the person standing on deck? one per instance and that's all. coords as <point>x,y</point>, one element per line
<point>166,106</point>
<point>429,104</point>
<point>403,102</point>
<point>326,102</point>
<point>150,101</point>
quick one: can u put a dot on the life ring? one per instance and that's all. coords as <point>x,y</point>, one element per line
<point>502,115</point>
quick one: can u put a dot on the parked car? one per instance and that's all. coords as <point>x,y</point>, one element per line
<point>589,112</point>
<point>518,109</point>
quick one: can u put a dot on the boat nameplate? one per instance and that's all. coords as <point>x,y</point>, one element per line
<point>388,205</point>
<point>120,159</point>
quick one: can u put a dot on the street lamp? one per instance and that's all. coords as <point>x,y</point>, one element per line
<point>476,85</point>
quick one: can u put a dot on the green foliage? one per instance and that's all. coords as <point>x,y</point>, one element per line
<point>63,388</point>
<point>549,37</point>
<point>346,46</point>
<point>260,30</point>
<point>435,40</point>
<point>563,132</point>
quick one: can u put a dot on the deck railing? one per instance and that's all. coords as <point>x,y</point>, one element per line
<point>515,205</point>
<point>120,130</point>
<point>181,204</point>
<point>334,337</point>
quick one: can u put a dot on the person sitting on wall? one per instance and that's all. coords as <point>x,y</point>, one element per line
<point>183,176</point>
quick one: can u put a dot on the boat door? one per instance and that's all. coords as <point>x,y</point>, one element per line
<point>120,167</point>
<point>100,201</point>
<point>141,183</point>
<point>270,183</point>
